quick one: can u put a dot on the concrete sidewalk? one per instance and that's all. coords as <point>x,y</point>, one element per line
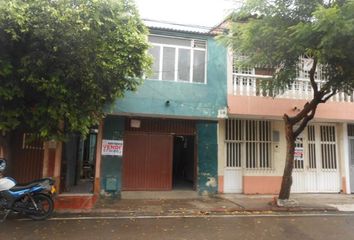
<point>297,203</point>
<point>183,204</point>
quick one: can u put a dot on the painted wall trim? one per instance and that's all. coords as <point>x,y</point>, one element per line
<point>267,107</point>
<point>124,114</point>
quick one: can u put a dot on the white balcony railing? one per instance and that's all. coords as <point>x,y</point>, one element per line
<point>251,85</point>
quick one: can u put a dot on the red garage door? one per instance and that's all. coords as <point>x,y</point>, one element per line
<point>147,161</point>
<point>27,159</point>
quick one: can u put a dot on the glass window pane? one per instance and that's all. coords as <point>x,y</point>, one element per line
<point>155,53</point>
<point>184,62</point>
<point>171,41</point>
<point>199,66</point>
<point>168,63</point>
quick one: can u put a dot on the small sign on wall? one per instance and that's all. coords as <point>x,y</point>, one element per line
<point>112,147</point>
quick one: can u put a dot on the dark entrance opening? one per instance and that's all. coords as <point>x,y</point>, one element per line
<point>183,162</point>
<point>78,164</point>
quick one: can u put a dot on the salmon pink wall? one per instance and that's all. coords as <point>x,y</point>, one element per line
<point>221,184</point>
<point>344,185</point>
<point>275,108</point>
<point>261,184</point>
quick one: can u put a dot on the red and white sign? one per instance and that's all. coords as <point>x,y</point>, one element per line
<point>299,154</point>
<point>112,147</point>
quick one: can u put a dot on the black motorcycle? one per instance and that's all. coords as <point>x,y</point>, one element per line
<point>33,199</point>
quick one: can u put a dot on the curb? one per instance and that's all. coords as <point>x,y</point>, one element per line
<point>215,211</point>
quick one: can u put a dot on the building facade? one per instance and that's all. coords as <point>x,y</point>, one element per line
<point>198,123</point>
<point>252,140</point>
<point>168,127</point>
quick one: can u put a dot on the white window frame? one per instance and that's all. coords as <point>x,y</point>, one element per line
<point>191,48</point>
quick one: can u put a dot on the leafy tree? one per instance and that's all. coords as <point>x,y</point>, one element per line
<point>64,60</point>
<point>276,33</point>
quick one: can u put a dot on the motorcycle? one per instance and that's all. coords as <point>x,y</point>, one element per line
<point>33,199</point>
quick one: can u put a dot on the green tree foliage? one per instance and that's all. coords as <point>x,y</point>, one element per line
<point>276,33</point>
<point>65,60</point>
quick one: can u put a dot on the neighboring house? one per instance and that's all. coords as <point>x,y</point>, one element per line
<point>253,143</point>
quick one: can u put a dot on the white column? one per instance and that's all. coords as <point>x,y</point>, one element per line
<point>346,157</point>
<point>231,90</point>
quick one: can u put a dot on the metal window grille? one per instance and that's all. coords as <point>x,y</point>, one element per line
<point>241,69</point>
<point>328,147</point>
<point>199,44</point>
<point>234,139</point>
<point>249,140</point>
<point>351,130</point>
<point>311,146</point>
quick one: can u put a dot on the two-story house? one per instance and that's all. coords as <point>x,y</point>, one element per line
<point>168,127</point>
<point>253,144</point>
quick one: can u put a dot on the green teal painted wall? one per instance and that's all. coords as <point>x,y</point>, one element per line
<point>186,99</point>
<point>111,166</point>
<point>207,179</point>
<point>206,135</point>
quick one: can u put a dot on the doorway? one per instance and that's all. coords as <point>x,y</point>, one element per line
<point>78,164</point>
<point>183,162</point>
<point>351,163</point>
<point>316,167</point>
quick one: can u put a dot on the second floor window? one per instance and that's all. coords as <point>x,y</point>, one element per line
<point>178,59</point>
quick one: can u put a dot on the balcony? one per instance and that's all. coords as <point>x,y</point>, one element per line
<point>251,85</point>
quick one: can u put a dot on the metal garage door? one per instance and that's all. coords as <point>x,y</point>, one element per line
<point>27,159</point>
<point>147,161</point>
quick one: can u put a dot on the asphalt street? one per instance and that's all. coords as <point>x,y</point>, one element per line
<point>299,226</point>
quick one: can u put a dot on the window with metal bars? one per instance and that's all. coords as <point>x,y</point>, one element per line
<point>311,146</point>
<point>328,147</point>
<point>248,140</point>
<point>351,130</point>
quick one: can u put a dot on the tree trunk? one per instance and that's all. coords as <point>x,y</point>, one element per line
<point>289,163</point>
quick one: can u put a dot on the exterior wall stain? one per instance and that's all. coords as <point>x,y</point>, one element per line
<point>192,100</point>
<point>207,158</point>
<point>111,166</point>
